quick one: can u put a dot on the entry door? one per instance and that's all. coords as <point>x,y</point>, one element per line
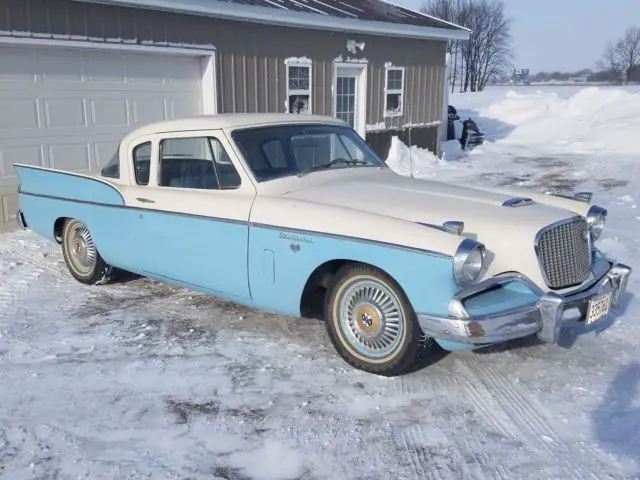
<point>350,91</point>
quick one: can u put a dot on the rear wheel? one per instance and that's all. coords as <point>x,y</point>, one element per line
<point>371,322</point>
<point>80,253</point>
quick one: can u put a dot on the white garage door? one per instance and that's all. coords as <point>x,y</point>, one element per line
<point>68,109</point>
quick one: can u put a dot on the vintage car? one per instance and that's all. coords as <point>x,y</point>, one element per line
<point>296,215</point>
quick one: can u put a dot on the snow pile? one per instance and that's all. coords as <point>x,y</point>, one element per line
<point>410,162</point>
<point>593,121</point>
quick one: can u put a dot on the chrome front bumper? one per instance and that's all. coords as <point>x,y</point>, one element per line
<point>544,318</point>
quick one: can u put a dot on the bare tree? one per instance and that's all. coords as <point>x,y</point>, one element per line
<point>628,51</point>
<point>622,57</point>
<point>448,10</point>
<point>611,63</point>
<point>486,54</point>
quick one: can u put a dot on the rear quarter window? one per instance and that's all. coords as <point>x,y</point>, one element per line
<point>112,168</point>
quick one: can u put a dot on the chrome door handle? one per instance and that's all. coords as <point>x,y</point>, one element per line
<point>145,200</point>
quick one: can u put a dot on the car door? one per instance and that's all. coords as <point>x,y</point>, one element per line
<point>194,213</point>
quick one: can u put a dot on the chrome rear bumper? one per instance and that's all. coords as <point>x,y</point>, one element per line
<point>544,318</point>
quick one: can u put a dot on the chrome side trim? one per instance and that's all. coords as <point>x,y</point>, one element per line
<point>337,236</point>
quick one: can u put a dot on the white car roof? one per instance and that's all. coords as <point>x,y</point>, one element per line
<point>230,121</point>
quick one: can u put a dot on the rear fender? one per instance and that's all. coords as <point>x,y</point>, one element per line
<point>46,195</point>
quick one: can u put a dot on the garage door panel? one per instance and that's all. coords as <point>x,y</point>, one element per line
<point>147,110</point>
<point>105,68</point>
<point>17,67</point>
<point>63,67</point>
<point>184,107</point>
<point>64,112</point>
<point>109,112</point>
<point>71,156</point>
<point>145,70</point>
<point>9,208</point>
<point>29,154</point>
<point>18,113</point>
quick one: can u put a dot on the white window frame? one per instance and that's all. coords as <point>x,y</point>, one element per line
<point>390,91</point>
<point>304,63</point>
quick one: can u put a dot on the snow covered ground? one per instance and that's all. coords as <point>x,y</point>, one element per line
<point>140,380</point>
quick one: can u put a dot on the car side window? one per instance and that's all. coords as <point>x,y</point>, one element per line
<point>142,163</point>
<point>196,162</point>
<point>228,176</point>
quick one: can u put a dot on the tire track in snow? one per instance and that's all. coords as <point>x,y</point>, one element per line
<point>16,279</point>
<point>446,459</point>
<point>527,420</point>
<point>415,443</point>
<point>52,264</point>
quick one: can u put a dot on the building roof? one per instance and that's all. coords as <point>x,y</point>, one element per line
<point>376,17</point>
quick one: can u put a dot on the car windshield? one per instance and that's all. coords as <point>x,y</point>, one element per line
<point>286,150</point>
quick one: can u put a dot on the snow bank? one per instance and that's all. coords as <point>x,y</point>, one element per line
<point>593,121</point>
<point>410,162</point>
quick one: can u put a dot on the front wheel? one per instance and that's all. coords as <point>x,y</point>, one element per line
<point>371,322</point>
<point>80,253</point>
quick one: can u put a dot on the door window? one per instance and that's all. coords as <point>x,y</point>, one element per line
<point>346,99</point>
<point>196,162</point>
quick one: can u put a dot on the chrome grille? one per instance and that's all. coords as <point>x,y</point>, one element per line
<point>564,253</point>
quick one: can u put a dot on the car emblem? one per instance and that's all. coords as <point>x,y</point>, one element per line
<point>295,248</point>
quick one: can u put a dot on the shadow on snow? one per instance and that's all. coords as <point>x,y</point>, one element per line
<point>616,422</point>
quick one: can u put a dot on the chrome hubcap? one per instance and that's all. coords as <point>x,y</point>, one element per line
<point>82,250</point>
<point>371,319</point>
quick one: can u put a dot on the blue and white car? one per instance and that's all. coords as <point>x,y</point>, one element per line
<point>295,214</point>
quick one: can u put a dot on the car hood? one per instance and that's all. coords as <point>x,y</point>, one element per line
<point>508,232</point>
<point>431,202</point>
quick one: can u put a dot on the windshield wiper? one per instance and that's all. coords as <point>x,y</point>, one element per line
<point>324,166</point>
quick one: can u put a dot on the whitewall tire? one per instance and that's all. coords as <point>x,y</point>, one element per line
<point>371,322</point>
<point>81,254</point>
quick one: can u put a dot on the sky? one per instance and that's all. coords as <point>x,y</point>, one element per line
<point>564,35</point>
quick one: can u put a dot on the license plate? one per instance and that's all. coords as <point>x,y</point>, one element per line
<point>598,307</point>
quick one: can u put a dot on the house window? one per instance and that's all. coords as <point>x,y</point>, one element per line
<point>298,86</point>
<point>394,92</point>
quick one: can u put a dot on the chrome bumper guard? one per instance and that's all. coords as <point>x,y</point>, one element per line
<point>544,318</point>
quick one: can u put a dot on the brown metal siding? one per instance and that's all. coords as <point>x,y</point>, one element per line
<point>251,69</point>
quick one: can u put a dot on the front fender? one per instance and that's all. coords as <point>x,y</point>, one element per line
<point>281,261</point>
<point>289,239</point>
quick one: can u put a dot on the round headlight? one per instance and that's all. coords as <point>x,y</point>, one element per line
<point>596,218</point>
<point>468,262</point>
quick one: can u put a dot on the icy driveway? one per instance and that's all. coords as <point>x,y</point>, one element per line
<point>139,380</point>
